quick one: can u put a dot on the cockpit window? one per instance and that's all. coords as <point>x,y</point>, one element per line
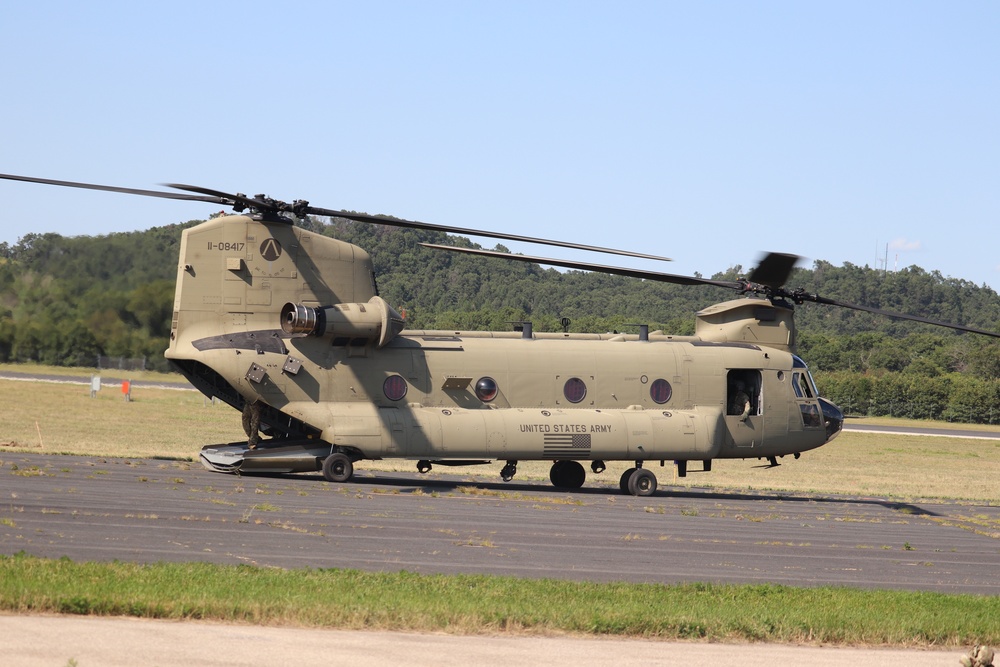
<point>797,362</point>
<point>802,384</point>
<point>810,415</point>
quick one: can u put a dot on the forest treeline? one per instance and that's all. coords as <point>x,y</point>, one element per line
<point>66,300</point>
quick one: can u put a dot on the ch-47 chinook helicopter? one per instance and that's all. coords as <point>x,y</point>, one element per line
<point>287,327</point>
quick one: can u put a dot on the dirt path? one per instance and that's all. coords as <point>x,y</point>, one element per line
<point>60,641</point>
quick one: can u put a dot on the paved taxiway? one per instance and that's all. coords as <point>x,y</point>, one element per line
<point>144,510</point>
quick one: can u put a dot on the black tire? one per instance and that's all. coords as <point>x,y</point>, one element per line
<point>623,482</point>
<point>573,475</point>
<point>567,475</point>
<point>556,474</point>
<point>642,482</point>
<point>337,467</point>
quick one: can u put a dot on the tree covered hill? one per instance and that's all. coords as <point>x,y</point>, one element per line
<point>65,300</point>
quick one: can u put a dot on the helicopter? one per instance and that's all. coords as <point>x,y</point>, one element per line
<point>287,327</point>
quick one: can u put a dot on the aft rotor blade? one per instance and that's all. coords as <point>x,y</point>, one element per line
<point>112,188</point>
<point>415,224</point>
<point>205,191</point>
<point>800,297</point>
<point>230,199</point>
<point>600,268</point>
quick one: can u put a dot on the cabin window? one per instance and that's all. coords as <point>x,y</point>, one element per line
<point>660,391</point>
<point>575,390</point>
<point>394,387</point>
<point>486,389</point>
<point>743,393</point>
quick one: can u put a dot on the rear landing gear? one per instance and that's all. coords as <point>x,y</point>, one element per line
<point>567,474</point>
<point>337,467</point>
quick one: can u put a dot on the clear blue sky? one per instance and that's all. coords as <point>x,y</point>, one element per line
<point>705,131</point>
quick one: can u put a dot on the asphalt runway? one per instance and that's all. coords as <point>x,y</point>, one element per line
<point>144,510</point>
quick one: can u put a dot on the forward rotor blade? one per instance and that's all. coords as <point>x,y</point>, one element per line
<point>774,269</point>
<point>111,188</point>
<point>415,224</point>
<point>800,297</point>
<point>600,268</point>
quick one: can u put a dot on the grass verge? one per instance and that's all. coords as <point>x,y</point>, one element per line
<point>352,599</point>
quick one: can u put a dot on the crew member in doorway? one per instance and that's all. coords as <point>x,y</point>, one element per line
<point>740,404</point>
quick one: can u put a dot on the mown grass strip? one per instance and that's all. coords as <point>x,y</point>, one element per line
<point>354,599</point>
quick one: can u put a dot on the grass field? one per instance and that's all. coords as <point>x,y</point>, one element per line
<point>475,604</point>
<point>63,419</point>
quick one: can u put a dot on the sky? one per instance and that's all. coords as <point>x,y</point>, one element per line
<point>709,132</point>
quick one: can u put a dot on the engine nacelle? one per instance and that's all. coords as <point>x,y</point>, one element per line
<point>375,320</point>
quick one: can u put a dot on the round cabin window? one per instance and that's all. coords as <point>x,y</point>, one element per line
<point>575,390</point>
<point>394,387</point>
<point>660,391</point>
<point>486,389</point>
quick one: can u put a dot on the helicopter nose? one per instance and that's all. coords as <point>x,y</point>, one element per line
<point>833,417</point>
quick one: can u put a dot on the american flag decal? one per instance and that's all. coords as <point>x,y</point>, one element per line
<point>566,445</point>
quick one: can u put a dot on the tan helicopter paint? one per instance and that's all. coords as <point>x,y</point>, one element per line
<point>236,276</point>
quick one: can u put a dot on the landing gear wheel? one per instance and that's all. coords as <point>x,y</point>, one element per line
<point>337,467</point>
<point>642,482</point>
<point>623,482</point>
<point>555,473</point>
<point>574,475</point>
<point>567,475</point>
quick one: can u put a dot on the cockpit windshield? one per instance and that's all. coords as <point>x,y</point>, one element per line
<point>816,412</point>
<point>802,380</point>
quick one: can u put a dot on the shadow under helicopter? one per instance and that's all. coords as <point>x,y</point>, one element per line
<point>414,484</point>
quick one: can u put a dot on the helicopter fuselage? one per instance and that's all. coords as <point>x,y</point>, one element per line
<point>289,322</point>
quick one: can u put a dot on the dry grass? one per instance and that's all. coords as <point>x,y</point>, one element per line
<point>861,422</point>
<point>59,418</point>
<point>86,373</point>
<point>63,419</point>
